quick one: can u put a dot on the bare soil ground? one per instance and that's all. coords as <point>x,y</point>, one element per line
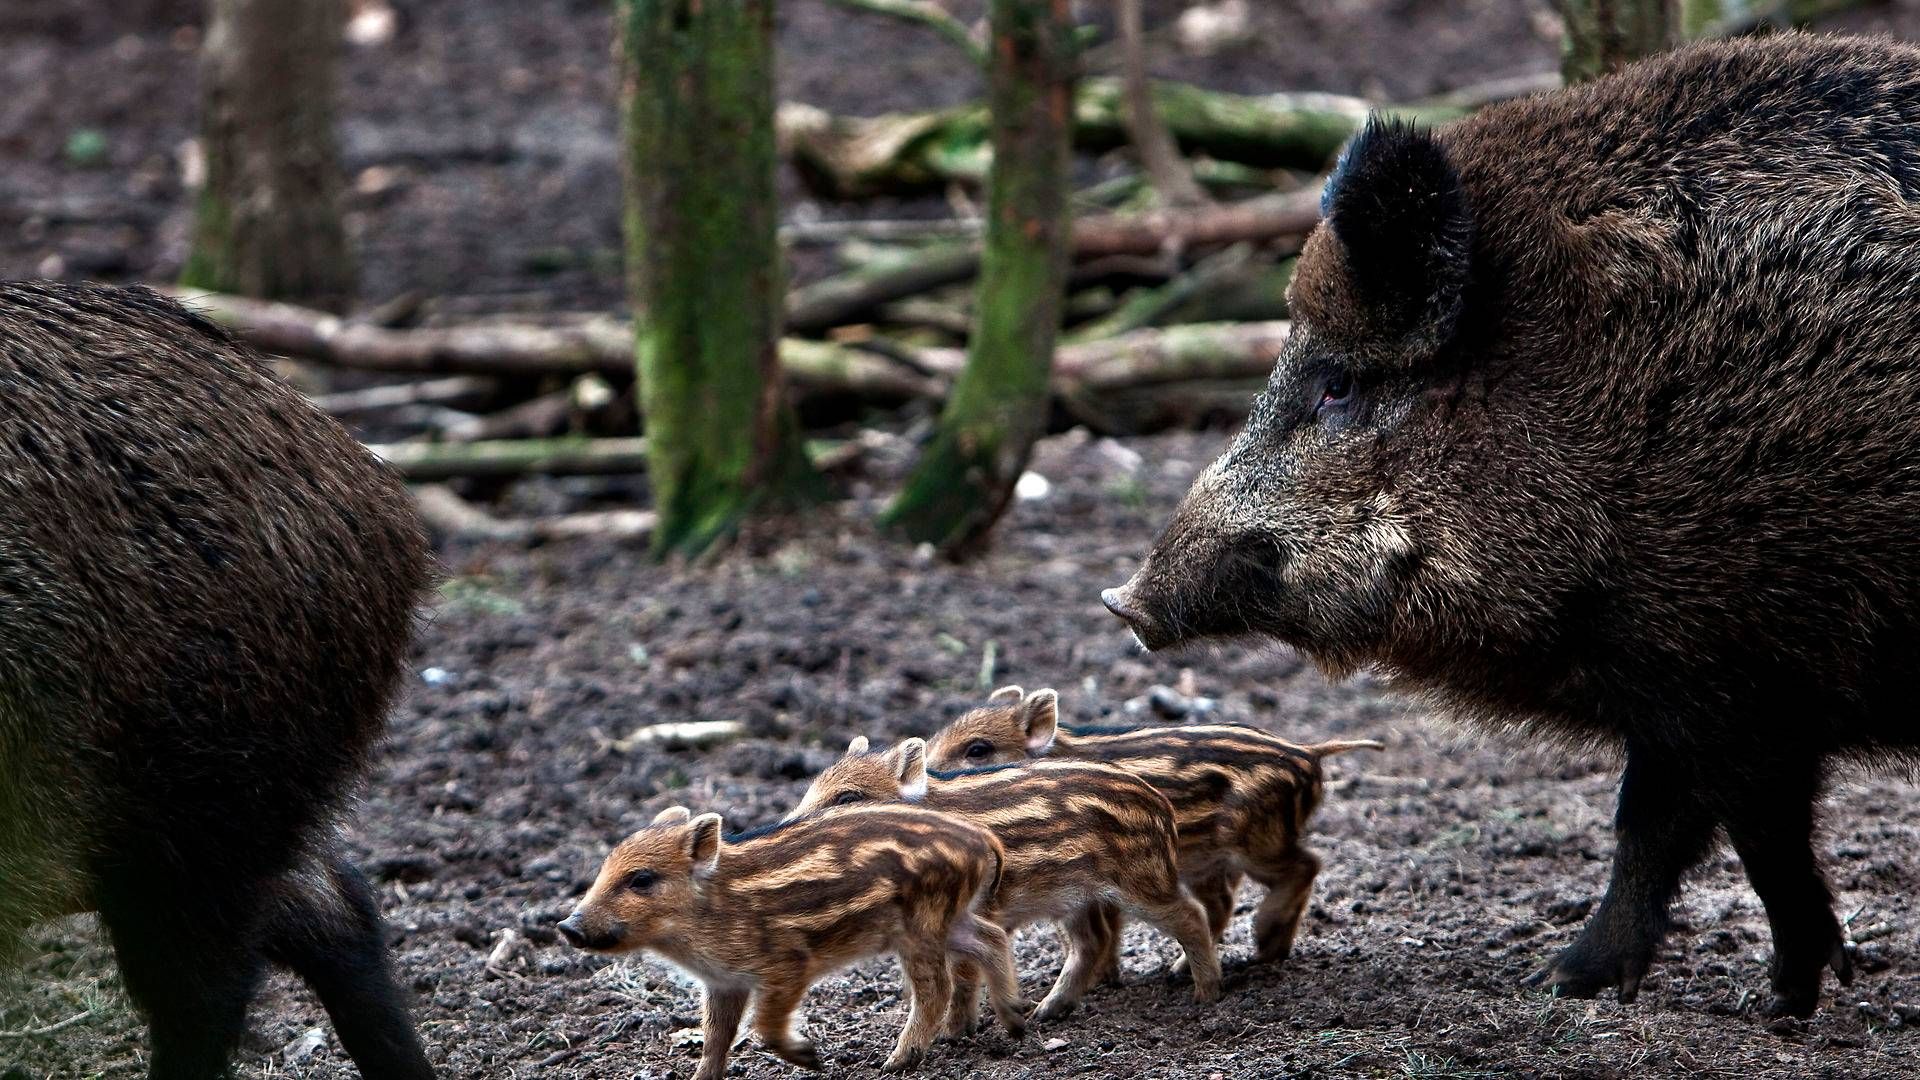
<point>481,141</point>
<point>1453,867</point>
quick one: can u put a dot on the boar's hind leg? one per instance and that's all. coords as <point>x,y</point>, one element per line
<point>325,929</point>
<point>1662,829</point>
<point>186,944</point>
<point>1770,823</point>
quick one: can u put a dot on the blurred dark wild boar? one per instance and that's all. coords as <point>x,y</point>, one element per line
<point>206,594</point>
<point>1600,420</point>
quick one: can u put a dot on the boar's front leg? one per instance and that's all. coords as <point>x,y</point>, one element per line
<point>1662,829</point>
<point>1769,818</point>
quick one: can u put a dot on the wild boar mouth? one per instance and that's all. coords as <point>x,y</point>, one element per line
<point>1149,632</point>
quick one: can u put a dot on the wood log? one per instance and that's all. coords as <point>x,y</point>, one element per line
<point>858,294</point>
<point>859,157</point>
<point>449,515</point>
<point>567,455</point>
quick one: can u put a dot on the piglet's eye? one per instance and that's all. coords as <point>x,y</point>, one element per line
<point>848,798</point>
<point>642,880</point>
<point>979,748</point>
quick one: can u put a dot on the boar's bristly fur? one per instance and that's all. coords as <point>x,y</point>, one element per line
<point>1651,483</point>
<point>207,591</point>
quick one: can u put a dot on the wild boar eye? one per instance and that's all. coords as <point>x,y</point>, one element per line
<point>848,798</point>
<point>1336,391</point>
<point>642,880</point>
<point>979,748</point>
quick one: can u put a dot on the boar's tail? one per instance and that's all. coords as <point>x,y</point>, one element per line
<point>1338,746</point>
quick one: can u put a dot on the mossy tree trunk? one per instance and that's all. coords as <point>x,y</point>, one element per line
<point>703,263</point>
<point>268,219</point>
<point>1604,36</point>
<point>999,404</point>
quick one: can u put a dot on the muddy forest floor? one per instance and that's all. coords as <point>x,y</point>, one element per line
<point>1453,866</point>
<point>481,145</point>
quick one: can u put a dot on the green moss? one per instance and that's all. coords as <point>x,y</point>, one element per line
<point>704,265</point>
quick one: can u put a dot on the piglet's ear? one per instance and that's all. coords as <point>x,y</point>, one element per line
<point>857,747</point>
<point>672,815</point>
<point>1396,207</point>
<point>910,768</point>
<point>1040,716</point>
<point>703,844</point>
<point>1006,693</point>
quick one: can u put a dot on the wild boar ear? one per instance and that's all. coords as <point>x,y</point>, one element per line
<point>703,844</point>
<point>857,747</point>
<point>1396,206</point>
<point>910,768</point>
<point>1040,716</point>
<point>672,815</point>
<point>1006,693</point>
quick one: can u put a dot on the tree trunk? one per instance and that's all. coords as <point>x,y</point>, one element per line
<point>704,263</point>
<point>999,404</point>
<point>268,219</point>
<point>1604,36</point>
<point>1159,157</point>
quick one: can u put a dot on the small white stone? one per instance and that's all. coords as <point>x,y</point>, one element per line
<point>435,676</point>
<point>303,1047</point>
<point>1032,486</point>
<point>1055,1044</point>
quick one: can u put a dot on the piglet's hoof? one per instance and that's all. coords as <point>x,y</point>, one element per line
<point>1054,1008</point>
<point>800,1052</point>
<point>904,1061</point>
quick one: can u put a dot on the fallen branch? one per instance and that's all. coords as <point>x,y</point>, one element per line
<point>50,1029</point>
<point>598,344</point>
<point>857,294</point>
<point>930,15</point>
<point>805,233</point>
<point>1146,307</point>
<point>430,392</point>
<point>569,455</point>
<point>858,157</point>
<point>849,297</point>
<point>1152,358</point>
<point>450,515</point>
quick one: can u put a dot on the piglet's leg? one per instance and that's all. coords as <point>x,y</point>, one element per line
<point>963,1017</point>
<point>1109,921</point>
<point>925,965</point>
<point>719,1023</point>
<point>1288,884</point>
<point>773,1018</point>
<point>1084,937</point>
<point>986,945</point>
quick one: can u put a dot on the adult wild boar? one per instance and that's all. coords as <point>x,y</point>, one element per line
<point>1600,420</point>
<point>206,594</point>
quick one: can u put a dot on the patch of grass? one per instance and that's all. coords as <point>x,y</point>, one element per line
<point>1129,492</point>
<point>477,596</point>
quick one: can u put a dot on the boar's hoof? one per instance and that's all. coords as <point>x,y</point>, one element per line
<point>904,1060</point>
<point>1795,1004</point>
<point>799,1052</point>
<point>1583,970</point>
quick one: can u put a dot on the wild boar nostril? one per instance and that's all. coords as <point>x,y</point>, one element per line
<point>570,929</point>
<point>1116,602</point>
